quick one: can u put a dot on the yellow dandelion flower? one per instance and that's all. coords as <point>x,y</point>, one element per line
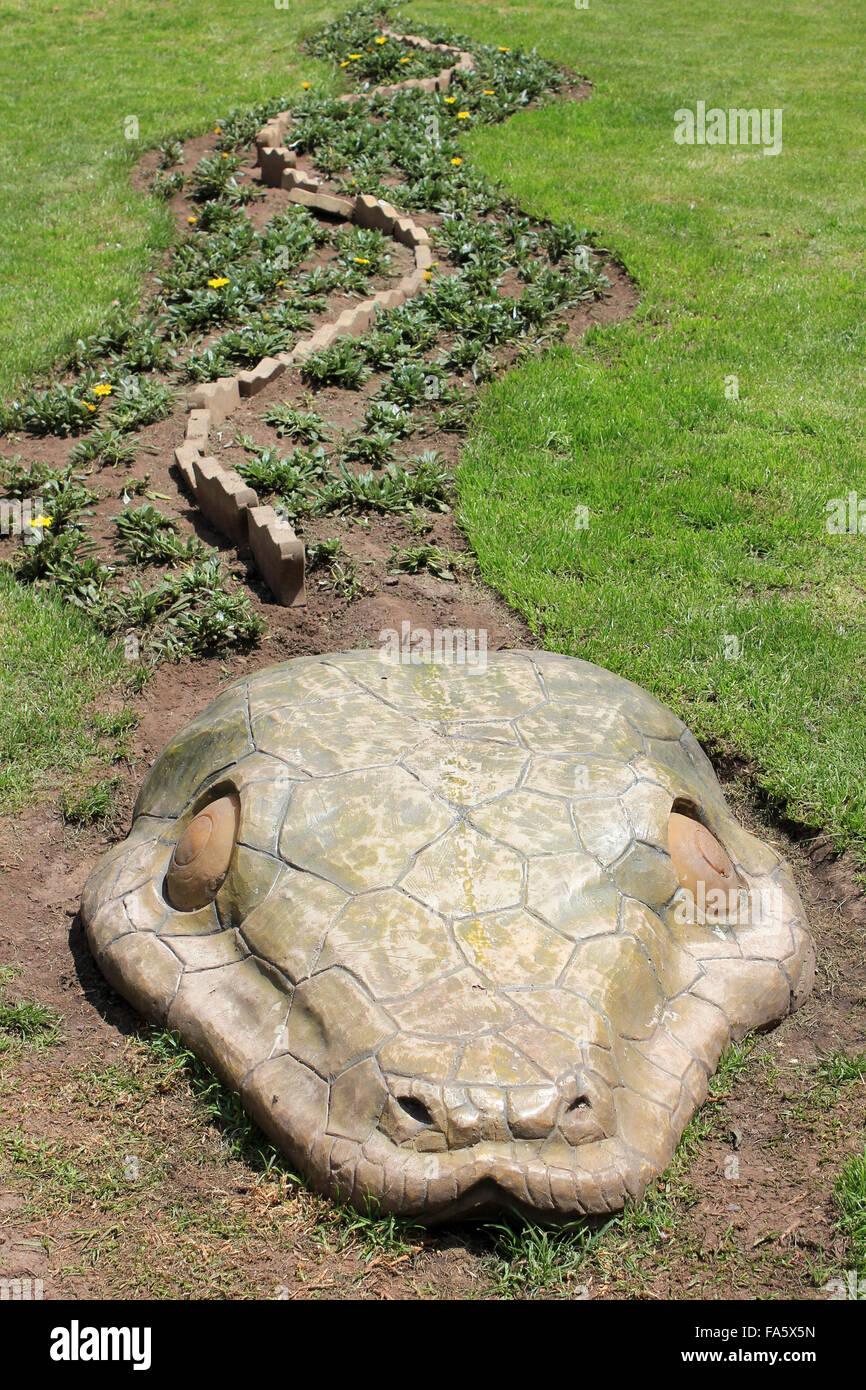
<point>192,221</point>
<point>103,390</point>
<point>354,56</point>
<point>489,92</point>
<point>463,115</point>
<point>224,155</point>
<point>217,130</point>
<point>89,406</point>
<point>345,64</point>
<point>504,50</point>
<point>218,281</point>
<point>42,521</point>
<point>428,274</point>
<point>305,86</point>
<point>405,60</point>
<point>382,39</point>
<point>456,161</point>
<point>449,101</point>
<point>360,260</point>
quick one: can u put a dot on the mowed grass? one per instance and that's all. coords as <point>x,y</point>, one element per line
<point>706,571</point>
<point>55,666</point>
<point>73,234</point>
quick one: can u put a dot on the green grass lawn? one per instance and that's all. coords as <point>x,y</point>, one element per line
<point>706,514</point>
<point>54,666</point>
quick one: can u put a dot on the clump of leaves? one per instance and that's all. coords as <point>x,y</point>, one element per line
<point>138,402</point>
<point>387,415</point>
<point>372,447</point>
<point>170,153</point>
<point>61,410</point>
<point>67,563</point>
<point>166,184</point>
<point>321,554</point>
<point>20,480</point>
<point>271,473</point>
<point>214,178</point>
<point>436,560</point>
<point>150,538</point>
<point>409,383</point>
<point>396,489</point>
<point>341,363</point>
<point>105,446</point>
<point>305,425</point>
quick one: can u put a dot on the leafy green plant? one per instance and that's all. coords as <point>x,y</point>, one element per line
<point>372,447</point>
<point>170,152</point>
<point>166,184</point>
<point>104,445</point>
<point>61,410</point>
<point>138,402</point>
<point>271,473</point>
<point>151,538</point>
<point>305,425</point>
<point>341,363</point>
<point>436,560</point>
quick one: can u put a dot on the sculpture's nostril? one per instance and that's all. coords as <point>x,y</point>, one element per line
<point>415,1109</point>
<point>587,1110</point>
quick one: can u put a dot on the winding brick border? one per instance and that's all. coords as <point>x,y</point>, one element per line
<point>229,504</point>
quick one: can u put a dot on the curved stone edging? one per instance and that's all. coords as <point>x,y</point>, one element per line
<point>228,503</point>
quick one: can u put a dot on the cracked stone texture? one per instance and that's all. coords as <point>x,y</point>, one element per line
<point>447,968</point>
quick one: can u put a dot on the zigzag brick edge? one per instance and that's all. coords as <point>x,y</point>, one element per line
<point>222,495</point>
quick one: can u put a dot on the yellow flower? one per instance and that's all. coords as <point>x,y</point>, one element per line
<point>354,56</point>
<point>504,50</point>
<point>224,155</point>
<point>449,101</point>
<point>279,282</point>
<point>405,60</point>
<point>192,220</point>
<point>489,92</point>
<point>463,115</point>
<point>382,40</point>
<point>428,274</point>
<point>360,260</point>
<point>305,86</point>
<point>456,160</point>
<point>217,130</point>
<point>89,406</point>
<point>345,64</point>
<point>41,521</point>
<point>218,282</point>
<point>103,390</point>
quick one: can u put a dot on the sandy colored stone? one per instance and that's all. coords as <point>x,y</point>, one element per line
<point>391,944</point>
<point>462,872</point>
<point>573,893</point>
<point>361,829</point>
<point>508,947</point>
<point>466,772</point>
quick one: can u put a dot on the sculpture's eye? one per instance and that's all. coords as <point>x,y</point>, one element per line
<point>202,855</point>
<point>702,865</point>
